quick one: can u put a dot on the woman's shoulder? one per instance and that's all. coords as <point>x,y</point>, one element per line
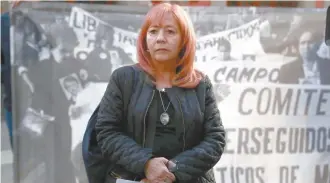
<point>204,78</point>
<point>126,70</point>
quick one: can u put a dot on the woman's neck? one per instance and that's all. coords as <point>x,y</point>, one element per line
<point>165,67</point>
<point>164,80</point>
<point>165,72</point>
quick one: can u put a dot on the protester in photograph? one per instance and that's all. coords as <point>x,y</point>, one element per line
<point>224,50</point>
<point>43,127</point>
<point>120,57</point>
<point>99,56</point>
<point>27,46</point>
<point>324,63</point>
<point>176,146</point>
<point>277,32</point>
<point>305,69</point>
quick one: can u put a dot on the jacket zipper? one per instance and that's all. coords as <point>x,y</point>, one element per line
<point>144,120</point>
<point>184,127</point>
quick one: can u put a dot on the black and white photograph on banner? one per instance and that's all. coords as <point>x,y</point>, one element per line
<point>265,67</point>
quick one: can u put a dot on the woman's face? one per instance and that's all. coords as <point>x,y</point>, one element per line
<point>163,41</point>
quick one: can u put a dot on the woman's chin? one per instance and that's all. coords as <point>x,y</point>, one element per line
<point>162,58</point>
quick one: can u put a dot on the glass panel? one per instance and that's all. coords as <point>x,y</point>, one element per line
<point>269,68</point>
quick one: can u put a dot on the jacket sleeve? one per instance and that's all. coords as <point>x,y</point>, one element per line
<point>114,144</point>
<point>195,162</point>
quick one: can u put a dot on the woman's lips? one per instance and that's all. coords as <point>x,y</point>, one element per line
<point>162,49</point>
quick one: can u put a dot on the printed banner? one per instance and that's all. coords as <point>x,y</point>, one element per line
<point>243,40</point>
<point>270,74</point>
<point>242,71</point>
<point>277,133</point>
<point>87,27</point>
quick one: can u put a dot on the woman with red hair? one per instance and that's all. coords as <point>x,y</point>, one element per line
<point>158,120</point>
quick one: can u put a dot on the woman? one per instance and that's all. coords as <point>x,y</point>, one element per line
<point>169,129</point>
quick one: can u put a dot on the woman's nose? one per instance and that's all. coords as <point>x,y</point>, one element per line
<point>161,36</point>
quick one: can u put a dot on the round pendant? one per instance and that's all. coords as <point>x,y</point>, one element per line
<point>164,118</point>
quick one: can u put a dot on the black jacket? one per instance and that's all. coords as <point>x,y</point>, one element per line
<point>121,132</point>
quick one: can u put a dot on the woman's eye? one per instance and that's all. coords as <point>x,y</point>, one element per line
<point>171,31</point>
<point>153,31</point>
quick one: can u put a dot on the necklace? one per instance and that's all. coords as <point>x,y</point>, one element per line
<point>164,117</point>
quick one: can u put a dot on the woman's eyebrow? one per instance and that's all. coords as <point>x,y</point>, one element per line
<point>166,26</point>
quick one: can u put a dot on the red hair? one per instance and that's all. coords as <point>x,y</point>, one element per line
<point>186,76</point>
